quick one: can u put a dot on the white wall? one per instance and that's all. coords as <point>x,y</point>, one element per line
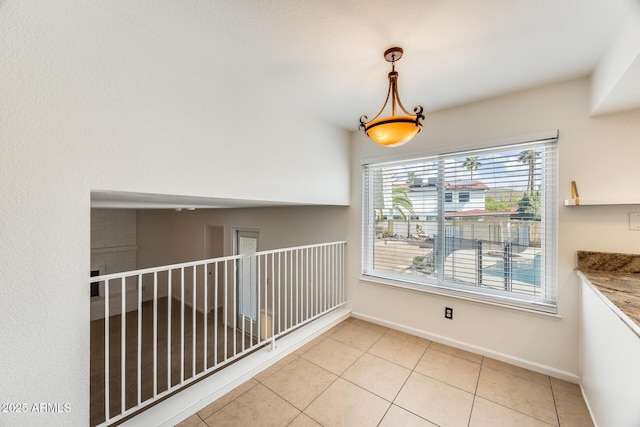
<point>599,153</point>
<point>113,249</point>
<point>91,102</point>
<point>113,240</point>
<point>166,236</point>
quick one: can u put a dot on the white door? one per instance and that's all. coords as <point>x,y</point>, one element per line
<point>246,243</point>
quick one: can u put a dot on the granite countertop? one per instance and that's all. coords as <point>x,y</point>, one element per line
<point>617,277</point>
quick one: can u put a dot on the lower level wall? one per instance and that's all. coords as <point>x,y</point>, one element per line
<point>166,236</point>
<point>113,250</point>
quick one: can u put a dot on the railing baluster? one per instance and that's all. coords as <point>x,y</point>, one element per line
<point>215,317</point>
<point>322,296</point>
<point>330,277</point>
<point>327,270</point>
<point>235,309</point>
<point>334,280</point>
<point>334,277</point>
<point>193,323</point>
<point>340,273</point>
<point>286,307</point>
<point>297,303</point>
<point>206,312</point>
<point>155,334</point>
<point>265,323</point>
<point>181,325</point>
<point>123,342</point>
<point>279,288</point>
<point>139,338</point>
<point>291,295</point>
<point>327,279</point>
<point>225,305</point>
<point>315,281</point>
<point>169,298</point>
<point>300,285</point>
<point>107,335</point>
<point>327,276</point>
<point>306,256</point>
<point>330,274</point>
<point>169,320</point>
<point>273,301</point>
<point>322,280</point>
<point>241,300</point>
<point>251,301</point>
<point>257,302</point>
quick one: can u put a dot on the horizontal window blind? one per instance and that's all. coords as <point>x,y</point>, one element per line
<point>480,223</point>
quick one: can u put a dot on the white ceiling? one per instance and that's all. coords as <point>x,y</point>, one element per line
<point>129,200</point>
<point>325,56</point>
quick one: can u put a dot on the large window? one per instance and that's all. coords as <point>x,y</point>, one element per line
<point>495,240</point>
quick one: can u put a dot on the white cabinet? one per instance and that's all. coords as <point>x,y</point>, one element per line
<point>610,363</point>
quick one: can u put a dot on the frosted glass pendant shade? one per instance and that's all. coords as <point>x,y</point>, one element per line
<point>393,131</point>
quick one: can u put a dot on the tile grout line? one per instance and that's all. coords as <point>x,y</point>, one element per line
<point>412,370</point>
<point>340,376</point>
<point>529,381</point>
<point>475,392</point>
<point>405,383</point>
<point>508,407</point>
<point>555,404</point>
<point>232,400</point>
<point>320,367</point>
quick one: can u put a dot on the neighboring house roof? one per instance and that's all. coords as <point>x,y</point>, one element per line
<point>480,212</point>
<point>453,185</point>
<point>465,185</point>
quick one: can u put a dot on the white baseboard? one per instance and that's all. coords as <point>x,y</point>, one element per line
<point>586,401</point>
<point>517,361</point>
<point>189,401</point>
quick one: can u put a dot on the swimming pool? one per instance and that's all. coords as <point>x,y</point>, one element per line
<point>526,271</point>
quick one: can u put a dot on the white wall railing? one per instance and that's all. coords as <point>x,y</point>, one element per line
<point>166,327</point>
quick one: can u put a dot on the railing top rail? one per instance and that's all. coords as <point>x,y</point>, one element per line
<point>205,261</point>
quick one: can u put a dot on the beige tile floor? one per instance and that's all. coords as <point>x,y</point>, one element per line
<point>361,374</point>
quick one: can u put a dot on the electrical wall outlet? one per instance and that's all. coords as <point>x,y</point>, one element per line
<point>634,221</point>
<point>448,313</point>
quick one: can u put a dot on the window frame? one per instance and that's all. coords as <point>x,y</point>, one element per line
<point>548,304</point>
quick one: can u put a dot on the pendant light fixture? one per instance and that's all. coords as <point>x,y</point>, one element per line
<point>395,129</point>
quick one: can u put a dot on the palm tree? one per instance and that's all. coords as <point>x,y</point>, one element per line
<point>472,163</point>
<point>529,157</point>
<point>401,203</point>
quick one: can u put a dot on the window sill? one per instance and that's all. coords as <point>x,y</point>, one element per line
<point>450,293</point>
